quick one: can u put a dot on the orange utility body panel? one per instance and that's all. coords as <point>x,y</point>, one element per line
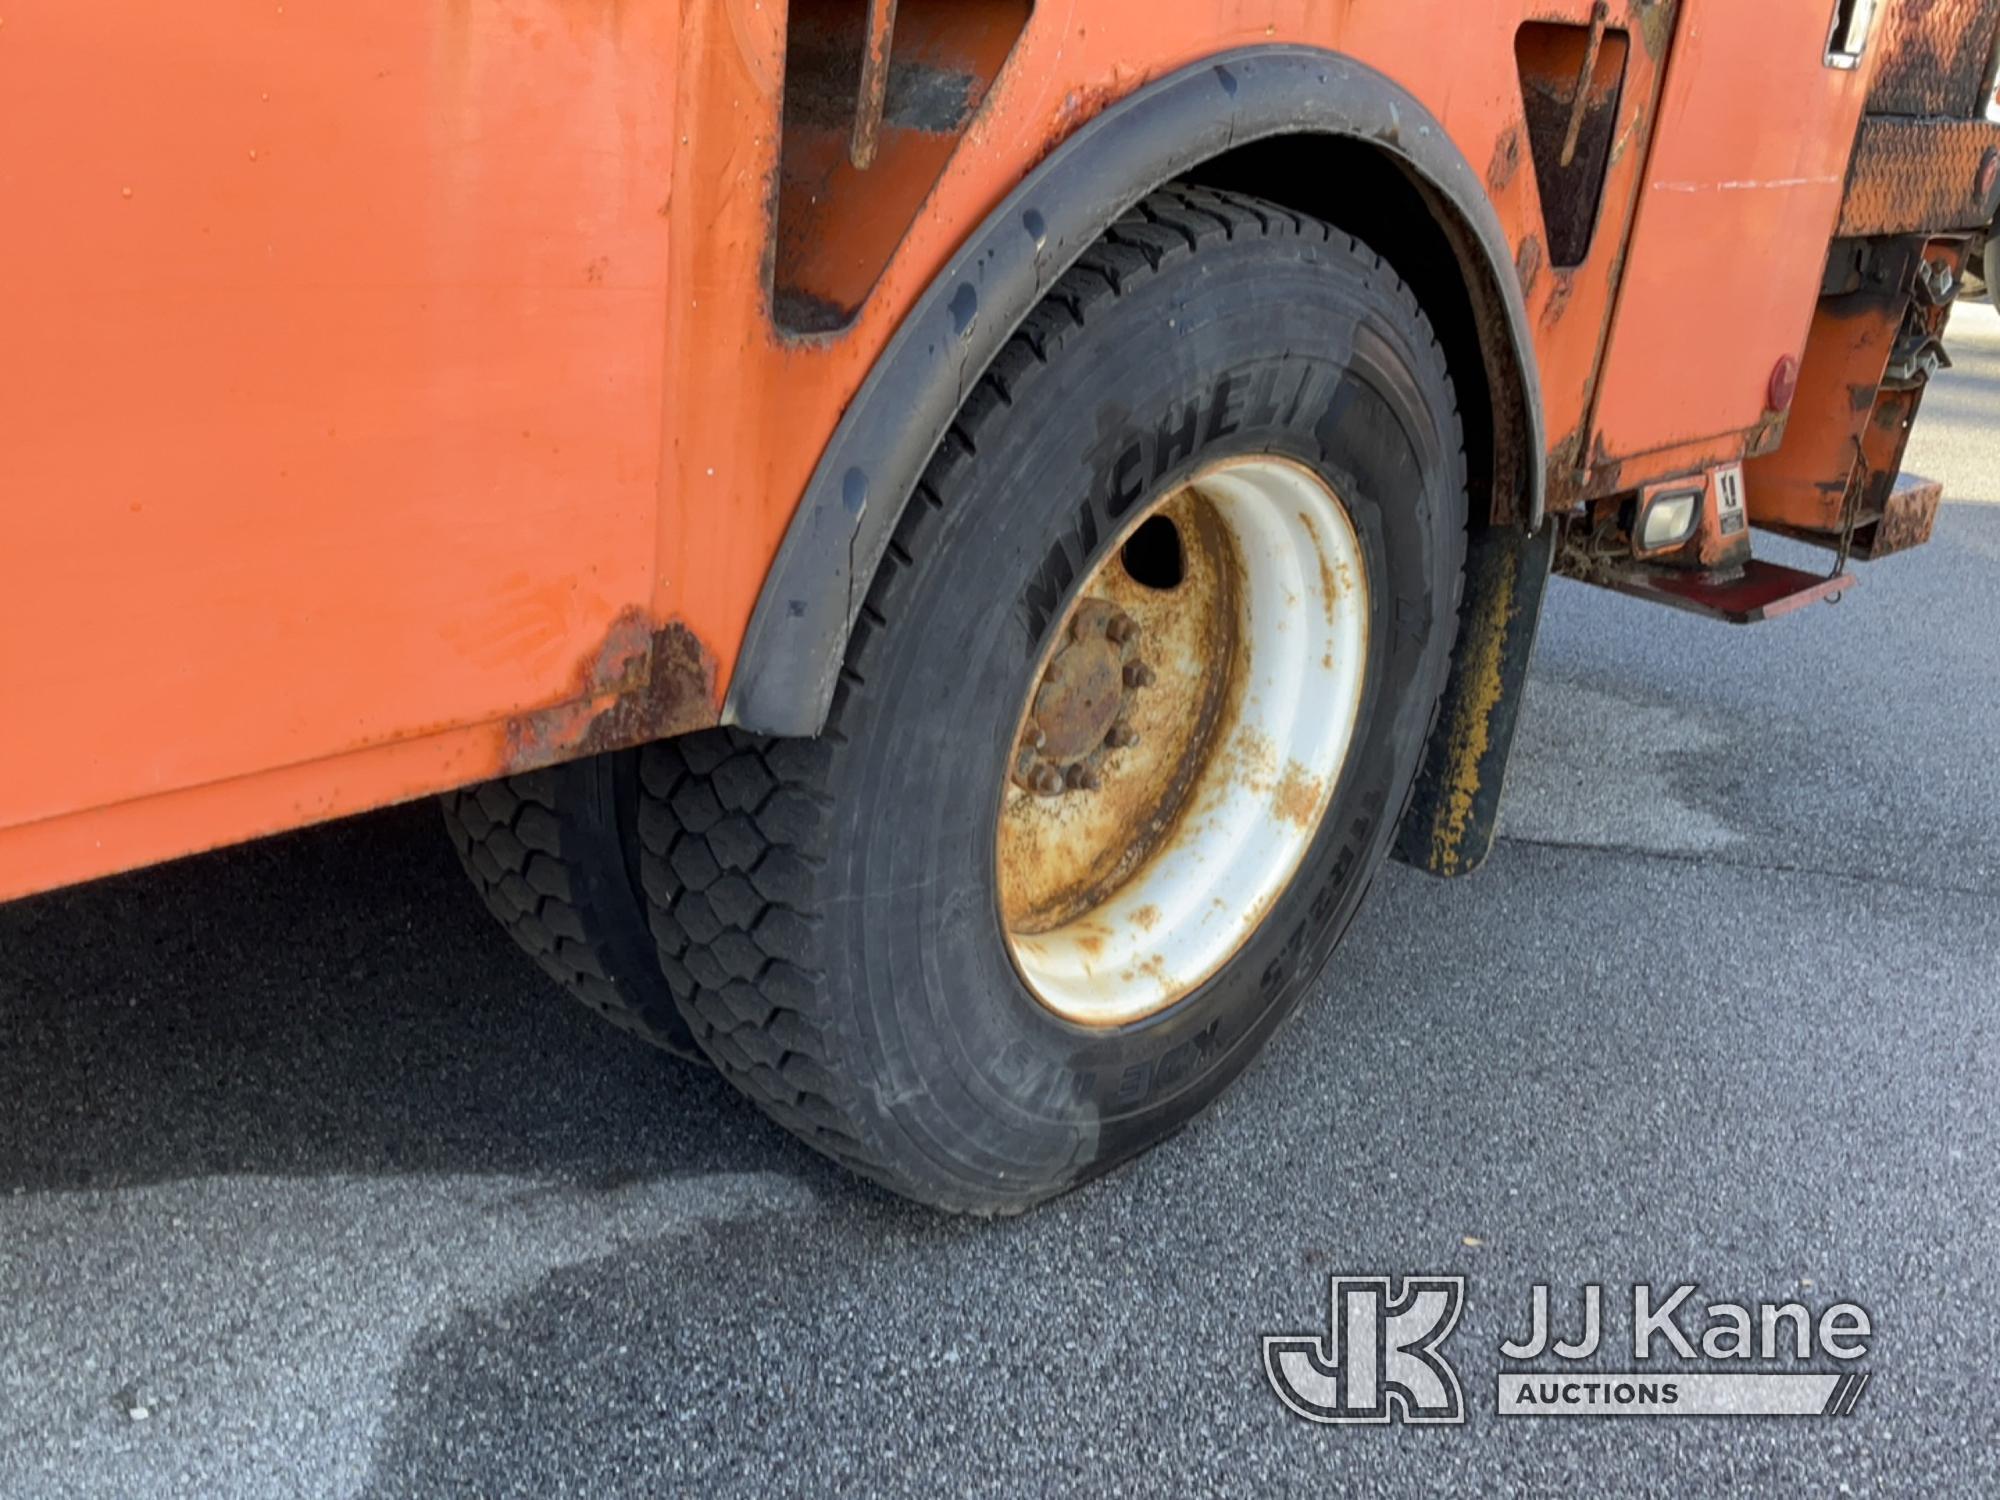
<point>1746,173</point>
<point>393,395</point>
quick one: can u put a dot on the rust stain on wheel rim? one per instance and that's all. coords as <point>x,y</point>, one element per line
<point>1141,842</point>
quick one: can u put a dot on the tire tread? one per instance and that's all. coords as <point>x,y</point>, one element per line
<point>520,845</point>
<point>744,970</point>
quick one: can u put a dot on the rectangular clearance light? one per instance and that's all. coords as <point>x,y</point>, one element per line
<point>1669,519</point>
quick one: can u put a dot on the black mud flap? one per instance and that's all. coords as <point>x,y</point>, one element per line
<point>1454,808</point>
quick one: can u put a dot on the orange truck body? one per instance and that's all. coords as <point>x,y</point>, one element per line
<point>396,395</point>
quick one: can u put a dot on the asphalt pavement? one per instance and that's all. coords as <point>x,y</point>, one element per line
<point>311,1185</point>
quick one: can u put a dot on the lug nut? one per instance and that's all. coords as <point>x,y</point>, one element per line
<point>1034,737</point>
<point>1049,782</point>
<point>1120,628</point>
<point>1083,778</point>
<point>1138,675</point>
<point>1122,736</point>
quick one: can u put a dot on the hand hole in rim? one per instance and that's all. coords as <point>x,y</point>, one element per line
<point>1134,883</point>
<point>1152,556</point>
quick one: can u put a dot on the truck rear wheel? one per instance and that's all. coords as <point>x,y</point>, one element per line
<point>1123,730</point>
<point>555,855</point>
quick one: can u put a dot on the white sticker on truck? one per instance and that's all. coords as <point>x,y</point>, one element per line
<point>1729,512</point>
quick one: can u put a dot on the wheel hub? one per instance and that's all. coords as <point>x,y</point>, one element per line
<point>1080,708</point>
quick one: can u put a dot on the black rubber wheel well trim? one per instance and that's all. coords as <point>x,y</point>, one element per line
<point>796,641</point>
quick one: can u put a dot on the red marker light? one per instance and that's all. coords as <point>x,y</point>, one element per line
<point>1784,384</point>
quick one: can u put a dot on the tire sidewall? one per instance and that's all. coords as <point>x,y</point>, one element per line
<point>1285,344</point>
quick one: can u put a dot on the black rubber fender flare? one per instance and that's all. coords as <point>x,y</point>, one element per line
<point>797,635</point>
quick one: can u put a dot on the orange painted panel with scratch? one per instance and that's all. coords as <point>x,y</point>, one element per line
<point>1742,193</point>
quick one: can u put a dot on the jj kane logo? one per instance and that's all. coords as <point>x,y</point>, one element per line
<point>1381,1358</point>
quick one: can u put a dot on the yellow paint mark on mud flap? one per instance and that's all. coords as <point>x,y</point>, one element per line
<point>1467,745</point>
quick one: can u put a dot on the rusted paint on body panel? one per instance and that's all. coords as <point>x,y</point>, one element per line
<point>636,686</point>
<point>1909,514</point>
<point>1528,265</point>
<point>641,684</point>
<point>1611,475</point>
<point>1569,478</point>
<point>1508,152</point>
<point>1909,176</point>
<point>1558,299</point>
<point>1931,57</point>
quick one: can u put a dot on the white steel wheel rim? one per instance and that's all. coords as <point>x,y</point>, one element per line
<point>1268,767</point>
